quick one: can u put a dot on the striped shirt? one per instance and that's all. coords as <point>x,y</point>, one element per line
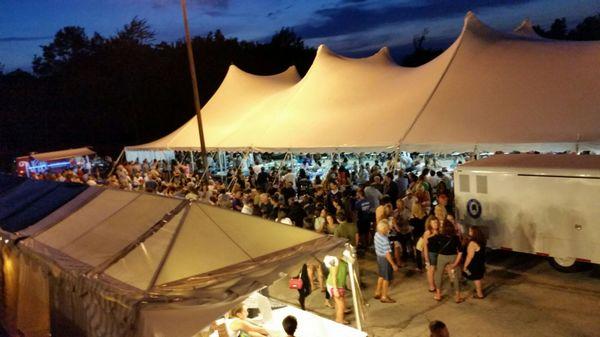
<point>382,244</point>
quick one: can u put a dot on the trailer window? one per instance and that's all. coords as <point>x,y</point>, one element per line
<point>481,184</point>
<point>464,184</point>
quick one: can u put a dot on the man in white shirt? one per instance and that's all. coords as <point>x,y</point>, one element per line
<point>290,177</point>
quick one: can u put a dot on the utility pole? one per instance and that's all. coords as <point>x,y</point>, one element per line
<point>190,53</point>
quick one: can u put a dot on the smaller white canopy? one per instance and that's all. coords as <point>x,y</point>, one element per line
<point>63,154</point>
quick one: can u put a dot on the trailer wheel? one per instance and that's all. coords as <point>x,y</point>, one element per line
<point>564,264</point>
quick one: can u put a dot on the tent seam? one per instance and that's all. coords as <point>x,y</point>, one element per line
<point>435,89</point>
<point>169,249</point>
<point>94,227</point>
<point>228,236</point>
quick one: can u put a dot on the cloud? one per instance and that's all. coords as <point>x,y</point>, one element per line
<point>356,16</point>
<point>24,38</point>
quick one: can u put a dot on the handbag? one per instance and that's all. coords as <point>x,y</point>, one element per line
<point>420,244</point>
<point>296,282</point>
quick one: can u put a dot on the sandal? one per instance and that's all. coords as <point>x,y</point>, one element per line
<point>431,290</point>
<point>439,299</point>
<point>387,300</point>
<point>377,297</point>
<point>475,296</point>
<point>459,300</point>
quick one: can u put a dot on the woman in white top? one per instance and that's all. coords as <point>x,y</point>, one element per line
<point>238,326</point>
<point>320,221</point>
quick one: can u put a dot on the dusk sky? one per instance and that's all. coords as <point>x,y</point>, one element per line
<point>350,27</point>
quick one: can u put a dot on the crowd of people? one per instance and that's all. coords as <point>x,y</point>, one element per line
<point>403,216</point>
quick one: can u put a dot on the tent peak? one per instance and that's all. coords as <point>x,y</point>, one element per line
<point>525,28</point>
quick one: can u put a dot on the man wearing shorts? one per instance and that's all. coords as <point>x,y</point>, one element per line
<point>385,262</point>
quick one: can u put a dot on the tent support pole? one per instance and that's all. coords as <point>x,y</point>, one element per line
<point>204,174</point>
<point>395,159</point>
<point>192,164</point>
<point>115,163</point>
<point>234,179</point>
<point>192,68</point>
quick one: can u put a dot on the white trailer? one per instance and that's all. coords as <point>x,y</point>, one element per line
<point>547,205</point>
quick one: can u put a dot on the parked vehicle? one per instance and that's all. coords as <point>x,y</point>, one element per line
<point>540,204</point>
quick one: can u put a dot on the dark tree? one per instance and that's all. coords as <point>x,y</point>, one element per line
<point>69,43</point>
<point>587,30</point>
<point>558,30</point>
<point>137,31</point>
<point>287,38</point>
<point>112,91</point>
<point>420,54</point>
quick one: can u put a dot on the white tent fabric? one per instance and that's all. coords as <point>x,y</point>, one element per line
<point>63,154</point>
<point>504,90</point>
<point>227,110</point>
<point>113,259</point>
<point>183,242</point>
<point>98,231</point>
<point>490,90</point>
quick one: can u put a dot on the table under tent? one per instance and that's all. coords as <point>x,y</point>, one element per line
<point>489,91</point>
<point>117,263</point>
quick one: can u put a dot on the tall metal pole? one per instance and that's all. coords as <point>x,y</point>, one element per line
<point>190,53</point>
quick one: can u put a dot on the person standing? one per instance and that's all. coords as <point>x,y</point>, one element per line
<point>373,195</point>
<point>474,268</point>
<point>345,229</point>
<point>385,262</point>
<point>336,285</point>
<point>364,218</point>
<point>390,188</point>
<point>430,249</point>
<point>440,210</point>
<point>262,179</point>
<point>449,257</point>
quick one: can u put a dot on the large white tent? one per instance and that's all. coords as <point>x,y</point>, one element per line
<point>489,90</point>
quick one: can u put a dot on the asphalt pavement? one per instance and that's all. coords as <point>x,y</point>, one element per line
<point>525,297</point>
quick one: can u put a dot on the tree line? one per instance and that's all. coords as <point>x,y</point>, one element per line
<point>129,89</point>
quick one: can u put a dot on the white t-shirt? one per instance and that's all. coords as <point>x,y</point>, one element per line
<point>290,177</point>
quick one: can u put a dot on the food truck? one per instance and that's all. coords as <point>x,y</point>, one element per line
<point>543,204</point>
<point>55,161</point>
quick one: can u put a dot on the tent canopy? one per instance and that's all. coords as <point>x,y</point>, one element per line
<point>30,201</point>
<point>493,90</point>
<point>62,154</point>
<point>119,256</point>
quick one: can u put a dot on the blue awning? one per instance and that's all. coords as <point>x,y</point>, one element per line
<point>31,201</point>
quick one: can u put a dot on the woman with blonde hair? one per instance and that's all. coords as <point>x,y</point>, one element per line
<point>237,324</point>
<point>430,253</point>
<point>417,221</point>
